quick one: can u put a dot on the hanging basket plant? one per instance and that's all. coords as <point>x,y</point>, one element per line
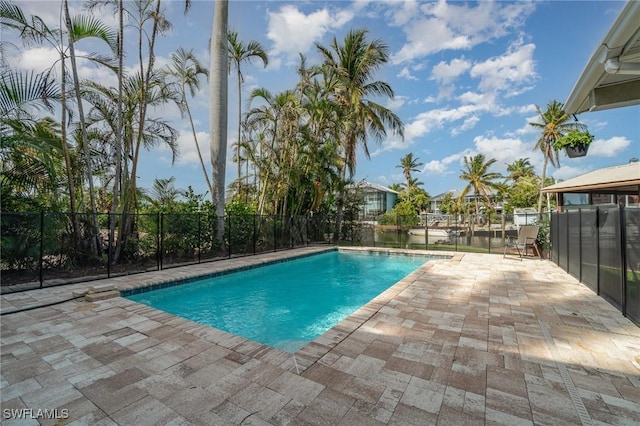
<point>575,143</point>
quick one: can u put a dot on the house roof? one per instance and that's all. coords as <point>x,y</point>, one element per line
<point>620,179</point>
<point>611,78</point>
<point>368,185</point>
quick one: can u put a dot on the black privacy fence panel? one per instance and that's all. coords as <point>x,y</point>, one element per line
<point>589,248</point>
<point>44,249</point>
<point>600,246</point>
<point>632,262</point>
<point>610,255</point>
<point>573,242</point>
<point>563,252</point>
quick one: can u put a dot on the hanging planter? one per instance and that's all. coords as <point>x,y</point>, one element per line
<point>575,143</point>
<point>576,151</point>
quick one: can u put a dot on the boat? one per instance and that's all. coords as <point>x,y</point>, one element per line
<point>433,233</point>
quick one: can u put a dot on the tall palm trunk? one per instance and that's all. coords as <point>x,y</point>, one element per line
<point>544,177</point>
<point>119,145</point>
<point>239,120</point>
<point>218,91</point>
<point>129,204</point>
<point>195,139</point>
<point>93,241</point>
<point>65,152</point>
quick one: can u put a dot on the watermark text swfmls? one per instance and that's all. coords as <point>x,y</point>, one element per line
<point>30,413</point>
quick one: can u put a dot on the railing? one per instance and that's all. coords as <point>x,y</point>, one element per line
<point>42,249</point>
<point>600,246</point>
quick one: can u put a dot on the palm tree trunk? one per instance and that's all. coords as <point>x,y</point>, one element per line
<point>544,177</point>
<point>195,139</point>
<point>65,151</point>
<point>340,203</point>
<point>239,119</point>
<point>219,112</point>
<point>118,142</point>
<point>93,242</point>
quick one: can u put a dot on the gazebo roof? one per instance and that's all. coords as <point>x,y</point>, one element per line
<point>617,179</point>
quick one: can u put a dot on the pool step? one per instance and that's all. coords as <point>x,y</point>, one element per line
<point>100,292</point>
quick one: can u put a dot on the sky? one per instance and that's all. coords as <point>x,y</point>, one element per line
<point>467,77</point>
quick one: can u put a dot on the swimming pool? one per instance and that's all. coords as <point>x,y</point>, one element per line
<point>285,305</point>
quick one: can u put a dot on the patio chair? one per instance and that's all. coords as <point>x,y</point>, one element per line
<point>527,235</point>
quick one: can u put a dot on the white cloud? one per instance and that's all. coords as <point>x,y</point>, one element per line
<point>293,32</point>
<point>507,72</point>
<point>503,150</point>
<point>396,103</point>
<point>468,124</point>
<point>447,72</point>
<point>455,26</point>
<point>440,167</point>
<point>568,172</point>
<point>405,73</point>
<point>392,144</point>
<point>434,119</point>
<point>188,151</point>
<point>608,147</point>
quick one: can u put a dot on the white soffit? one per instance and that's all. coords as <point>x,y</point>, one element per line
<point>611,78</point>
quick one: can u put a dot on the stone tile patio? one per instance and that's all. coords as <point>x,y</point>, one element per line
<point>475,339</point>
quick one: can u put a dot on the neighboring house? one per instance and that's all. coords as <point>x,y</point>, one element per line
<point>377,199</point>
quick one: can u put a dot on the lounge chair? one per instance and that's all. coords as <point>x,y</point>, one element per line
<point>527,235</point>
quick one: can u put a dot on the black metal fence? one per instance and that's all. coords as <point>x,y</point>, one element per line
<point>42,249</point>
<point>45,249</point>
<point>600,246</point>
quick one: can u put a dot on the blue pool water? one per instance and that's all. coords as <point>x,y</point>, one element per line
<point>285,305</point>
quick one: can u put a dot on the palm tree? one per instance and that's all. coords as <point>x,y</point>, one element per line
<point>520,168</point>
<point>185,71</point>
<point>239,53</point>
<point>218,81</point>
<point>409,164</point>
<point>476,172</point>
<point>350,69</point>
<point>554,123</point>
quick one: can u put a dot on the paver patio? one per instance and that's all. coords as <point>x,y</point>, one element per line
<point>475,339</point>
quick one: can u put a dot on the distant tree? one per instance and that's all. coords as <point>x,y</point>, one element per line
<point>239,52</point>
<point>554,123</point>
<point>520,168</point>
<point>481,181</point>
<point>522,193</point>
<point>409,164</point>
<point>185,71</point>
<point>350,68</point>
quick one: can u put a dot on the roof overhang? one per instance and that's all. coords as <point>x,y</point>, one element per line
<point>611,78</point>
<point>614,180</point>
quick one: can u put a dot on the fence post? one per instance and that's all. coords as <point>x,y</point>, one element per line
<point>199,236</point>
<point>160,240</point>
<point>597,250</point>
<point>254,236</point>
<point>489,227</point>
<point>108,245</point>
<point>41,246</point>
<point>623,258</point>
<point>229,234</point>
